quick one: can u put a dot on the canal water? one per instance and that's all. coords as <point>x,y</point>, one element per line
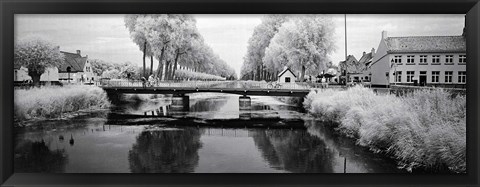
<point>213,136</point>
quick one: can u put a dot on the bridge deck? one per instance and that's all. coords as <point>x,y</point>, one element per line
<point>231,87</point>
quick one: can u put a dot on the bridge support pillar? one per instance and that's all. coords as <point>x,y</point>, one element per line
<point>114,97</point>
<point>180,103</point>
<point>245,102</point>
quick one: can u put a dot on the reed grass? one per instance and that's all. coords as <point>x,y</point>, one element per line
<point>53,101</point>
<point>425,129</point>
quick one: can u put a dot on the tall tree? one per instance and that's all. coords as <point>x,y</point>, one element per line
<point>306,41</point>
<point>37,55</point>
<point>138,35</point>
<point>258,42</point>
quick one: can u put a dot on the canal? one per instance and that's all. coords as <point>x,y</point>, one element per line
<point>213,136</point>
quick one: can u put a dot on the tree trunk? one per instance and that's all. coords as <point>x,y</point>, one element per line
<point>151,65</point>
<point>144,55</point>
<point>160,65</point>
<point>303,74</point>
<point>175,64</point>
<point>167,70</point>
<point>35,79</point>
<point>160,69</point>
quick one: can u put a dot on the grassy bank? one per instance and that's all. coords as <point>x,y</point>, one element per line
<point>52,102</point>
<point>426,129</point>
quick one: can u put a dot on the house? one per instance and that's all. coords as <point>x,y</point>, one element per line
<point>366,59</point>
<point>352,68</point>
<point>420,60</point>
<point>75,68</point>
<point>286,76</point>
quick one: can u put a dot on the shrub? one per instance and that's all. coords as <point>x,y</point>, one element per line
<point>51,102</point>
<point>424,129</point>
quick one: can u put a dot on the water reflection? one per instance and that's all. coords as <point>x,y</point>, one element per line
<point>214,136</point>
<point>37,157</point>
<point>165,151</point>
<point>294,150</point>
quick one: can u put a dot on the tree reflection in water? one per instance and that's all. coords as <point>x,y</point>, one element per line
<point>165,151</point>
<point>294,151</point>
<point>36,157</point>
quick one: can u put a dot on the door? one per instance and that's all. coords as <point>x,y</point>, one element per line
<point>423,80</point>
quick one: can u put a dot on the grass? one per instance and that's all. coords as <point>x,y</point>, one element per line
<point>425,129</point>
<point>52,102</point>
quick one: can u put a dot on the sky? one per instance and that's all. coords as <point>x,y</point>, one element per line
<point>105,36</point>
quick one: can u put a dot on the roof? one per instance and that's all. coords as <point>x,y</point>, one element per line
<point>285,70</point>
<point>353,65</point>
<point>426,44</point>
<point>73,60</point>
<point>366,59</point>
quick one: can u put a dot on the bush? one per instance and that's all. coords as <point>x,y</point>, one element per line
<point>424,129</point>
<point>51,102</point>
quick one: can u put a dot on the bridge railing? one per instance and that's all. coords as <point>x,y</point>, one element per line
<point>207,84</point>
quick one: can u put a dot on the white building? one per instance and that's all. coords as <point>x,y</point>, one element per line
<point>287,76</point>
<point>420,60</point>
<point>80,68</point>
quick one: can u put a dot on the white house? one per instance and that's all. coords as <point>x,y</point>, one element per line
<point>420,60</point>
<point>286,76</point>
<point>80,68</point>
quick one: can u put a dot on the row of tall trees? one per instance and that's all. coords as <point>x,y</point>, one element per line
<point>173,39</point>
<point>300,42</point>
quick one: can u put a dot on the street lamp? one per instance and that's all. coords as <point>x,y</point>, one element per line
<point>394,65</point>
<point>69,69</point>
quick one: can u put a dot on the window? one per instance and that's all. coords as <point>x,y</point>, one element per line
<point>435,76</point>
<point>397,59</point>
<point>448,59</point>
<point>423,59</point>
<point>410,59</point>
<point>287,79</point>
<point>462,59</point>
<point>398,76</point>
<point>448,76</point>
<point>462,76</point>
<point>410,75</point>
<point>435,59</point>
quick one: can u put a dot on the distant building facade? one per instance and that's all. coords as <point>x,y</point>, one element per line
<point>287,76</point>
<point>420,60</point>
<point>76,68</point>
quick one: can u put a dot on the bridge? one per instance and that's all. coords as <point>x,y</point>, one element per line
<point>180,101</point>
<point>244,88</point>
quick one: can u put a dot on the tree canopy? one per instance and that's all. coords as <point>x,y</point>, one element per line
<point>37,54</point>
<point>173,39</point>
<point>301,42</point>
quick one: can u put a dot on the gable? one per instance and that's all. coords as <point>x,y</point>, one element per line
<point>286,70</point>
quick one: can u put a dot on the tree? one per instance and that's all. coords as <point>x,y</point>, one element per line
<point>37,55</point>
<point>260,40</point>
<point>138,36</point>
<point>306,41</point>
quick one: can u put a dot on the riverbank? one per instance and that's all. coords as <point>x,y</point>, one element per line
<point>53,102</point>
<point>426,129</point>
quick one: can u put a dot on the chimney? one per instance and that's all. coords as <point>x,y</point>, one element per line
<point>373,51</point>
<point>364,53</point>
<point>464,33</point>
<point>384,35</point>
<point>79,52</point>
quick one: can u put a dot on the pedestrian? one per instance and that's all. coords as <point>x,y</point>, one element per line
<point>144,82</point>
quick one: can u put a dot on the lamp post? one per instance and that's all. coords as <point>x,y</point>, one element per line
<point>69,69</point>
<point>394,65</point>
<point>346,65</point>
